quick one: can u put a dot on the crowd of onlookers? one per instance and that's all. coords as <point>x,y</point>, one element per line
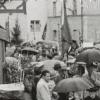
<point>39,83</point>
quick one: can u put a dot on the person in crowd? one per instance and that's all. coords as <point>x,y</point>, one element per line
<point>43,92</point>
<point>92,95</point>
<point>98,68</point>
<point>93,78</point>
<point>28,84</point>
<point>37,76</point>
<point>80,69</point>
<point>93,75</point>
<point>72,49</point>
<point>62,74</point>
<point>42,56</point>
<point>80,72</point>
<point>33,58</point>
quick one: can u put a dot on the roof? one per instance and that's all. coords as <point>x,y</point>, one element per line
<point>4,35</point>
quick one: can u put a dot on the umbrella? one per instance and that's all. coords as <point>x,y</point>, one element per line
<point>49,64</point>
<point>11,60</point>
<point>71,85</point>
<point>89,56</point>
<point>29,43</point>
<point>58,57</point>
<point>49,43</point>
<point>29,50</point>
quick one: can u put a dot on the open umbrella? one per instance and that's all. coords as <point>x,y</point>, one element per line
<point>28,44</point>
<point>72,85</point>
<point>29,50</point>
<point>89,56</point>
<point>11,60</point>
<point>49,64</point>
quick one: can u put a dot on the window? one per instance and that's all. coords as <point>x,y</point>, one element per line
<point>35,25</point>
<point>54,8</point>
<point>54,35</point>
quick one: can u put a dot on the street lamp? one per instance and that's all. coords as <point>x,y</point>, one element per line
<point>80,36</point>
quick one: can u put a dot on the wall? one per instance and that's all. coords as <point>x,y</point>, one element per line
<point>36,10</point>
<point>90,26</point>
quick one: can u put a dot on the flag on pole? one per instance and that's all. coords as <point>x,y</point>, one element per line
<point>44,32</point>
<point>65,30</point>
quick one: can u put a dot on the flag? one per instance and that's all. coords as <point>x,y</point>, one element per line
<point>44,32</point>
<point>65,30</point>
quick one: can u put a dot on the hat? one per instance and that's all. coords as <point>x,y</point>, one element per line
<point>94,89</point>
<point>71,61</point>
<point>81,63</point>
<point>40,64</point>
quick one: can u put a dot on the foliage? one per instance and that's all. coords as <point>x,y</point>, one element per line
<point>11,73</point>
<point>16,40</point>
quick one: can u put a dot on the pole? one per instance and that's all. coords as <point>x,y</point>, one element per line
<point>82,31</point>
<point>8,28</point>
<point>34,32</point>
<point>59,37</point>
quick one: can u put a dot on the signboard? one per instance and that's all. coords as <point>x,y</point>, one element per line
<point>13,6</point>
<point>87,44</point>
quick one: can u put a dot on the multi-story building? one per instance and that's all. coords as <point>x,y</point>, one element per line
<point>40,12</point>
<point>90,9</point>
<point>32,23</point>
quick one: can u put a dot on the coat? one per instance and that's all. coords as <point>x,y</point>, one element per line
<point>43,92</point>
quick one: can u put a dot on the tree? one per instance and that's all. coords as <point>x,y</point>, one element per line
<point>16,40</point>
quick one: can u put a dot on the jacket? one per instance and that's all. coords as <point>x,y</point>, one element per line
<point>43,92</point>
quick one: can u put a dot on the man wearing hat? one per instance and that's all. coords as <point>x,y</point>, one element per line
<point>62,75</point>
<point>93,77</point>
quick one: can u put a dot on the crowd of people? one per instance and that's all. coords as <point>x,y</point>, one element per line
<point>40,83</point>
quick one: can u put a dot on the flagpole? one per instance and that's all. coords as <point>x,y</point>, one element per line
<point>82,21</point>
<point>61,30</point>
<point>65,30</point>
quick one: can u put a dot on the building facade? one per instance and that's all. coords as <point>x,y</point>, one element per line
<point>90,10</point>
<point>32,23</point>
<point>42,12</point>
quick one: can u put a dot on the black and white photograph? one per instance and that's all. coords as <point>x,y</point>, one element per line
<point>49,49</point>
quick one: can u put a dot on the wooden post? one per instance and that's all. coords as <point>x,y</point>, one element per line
<point>4,37</point>
<point>2,56</point>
